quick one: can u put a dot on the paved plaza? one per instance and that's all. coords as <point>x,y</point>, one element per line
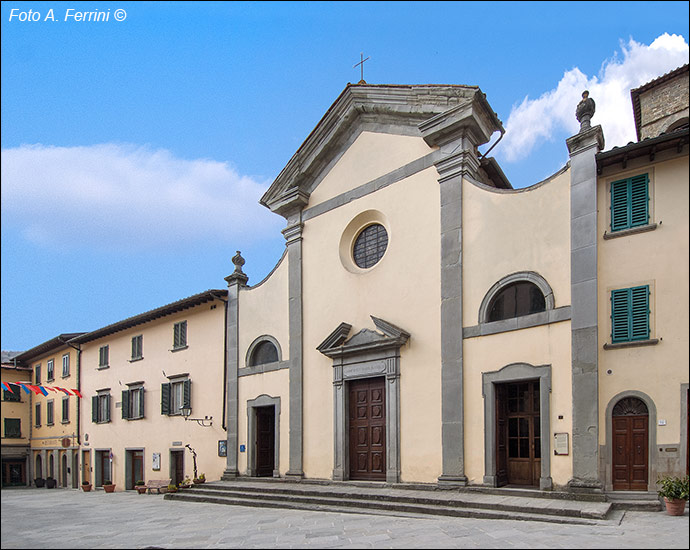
<point>65,518</point>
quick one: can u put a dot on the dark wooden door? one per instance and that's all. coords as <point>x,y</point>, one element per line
<point>501,436</point>
<point>177,466</point>
<point>518,424</point>
<point>367,406</point>
<point>13,473</point>
<point>630,452</point>
<point>265,441</point>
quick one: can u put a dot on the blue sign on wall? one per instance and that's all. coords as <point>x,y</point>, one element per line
<point>241,448</point>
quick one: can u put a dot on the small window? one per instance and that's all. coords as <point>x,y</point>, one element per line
<point>50,413</point>
<point>103,357</point>
<point>50,370</point>
<point>37,374</point>
<point>370,246</point>
<point>180,335</point>
<point>630,202</point>
<point>13,428</point>
<point>264,352</point>
<point>100,408</point>
<point>630,314</point>
<point>516,300</point>
<point>175,395</point>
<point>37,419</point>
<point>65,365</point>
<point>133,403</point>
<point>65,409</point>
<point>137,347</point>
<point>11,395</point>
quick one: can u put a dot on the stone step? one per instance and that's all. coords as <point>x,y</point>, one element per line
<point>373,499</point>
<point>358,506</point>
<point>635,501</point>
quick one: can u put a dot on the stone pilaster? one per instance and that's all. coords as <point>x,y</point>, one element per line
<point>293,238</point>
<point>236,281</point>
<point>583,148</point>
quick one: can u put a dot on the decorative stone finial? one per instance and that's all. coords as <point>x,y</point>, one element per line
<point>585,111</point>
<point>238,274</point>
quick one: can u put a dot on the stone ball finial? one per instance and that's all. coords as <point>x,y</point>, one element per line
<point>584,111</point>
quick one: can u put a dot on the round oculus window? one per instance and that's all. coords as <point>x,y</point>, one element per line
<point>370,246</point>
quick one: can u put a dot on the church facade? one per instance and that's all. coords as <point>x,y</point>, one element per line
<point>429,323</point>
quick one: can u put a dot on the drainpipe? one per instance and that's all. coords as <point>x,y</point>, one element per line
<point>78,368</point>
<point>494,145</point>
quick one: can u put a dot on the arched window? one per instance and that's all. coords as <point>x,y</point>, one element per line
<point>515,300</point>
<point>262,353</point>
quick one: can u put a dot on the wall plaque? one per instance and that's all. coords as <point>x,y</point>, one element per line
<point>156,462</point>
<point>560,444</point>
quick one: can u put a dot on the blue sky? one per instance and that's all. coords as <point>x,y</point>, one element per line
<point>134,152</point>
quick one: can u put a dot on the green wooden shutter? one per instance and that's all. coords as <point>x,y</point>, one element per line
<point>619,205</point>
<point>187,394</point>
<point>639,313</point>
<point>639,200</point>
<point>125,404</point>
<point>620,305</point>
<point>94,409</point>
<point>107,409</point>
<point>165,398</point>
<point>141,403</point>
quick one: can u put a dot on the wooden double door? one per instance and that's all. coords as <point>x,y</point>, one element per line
<point>518,437</point>
<point>630,445</point>
<point>367,429</point>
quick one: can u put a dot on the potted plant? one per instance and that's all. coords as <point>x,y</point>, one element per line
<point>51,483</point>
<point>85,486</point>
<point>675,491</point>
<point>140,486</point>
<point>40,482</point>
<point>185,483</point>
<point>108,486</point>
<point>172,488</point>
<point>200,479</point>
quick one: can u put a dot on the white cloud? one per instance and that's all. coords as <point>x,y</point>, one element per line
<point>118,196</point>
<point>553,114</point>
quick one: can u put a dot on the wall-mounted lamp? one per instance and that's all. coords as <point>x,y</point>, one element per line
<point>186,411</point>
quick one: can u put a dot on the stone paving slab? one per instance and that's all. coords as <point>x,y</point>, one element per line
<point>65,518</point>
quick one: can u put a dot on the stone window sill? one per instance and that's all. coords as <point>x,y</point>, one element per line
<point>135,359</point>
<point>179,349</point>
<point>631,231</point>
<point>633,344</point>
<point>103,367</point>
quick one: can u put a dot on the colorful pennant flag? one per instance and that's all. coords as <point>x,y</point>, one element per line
<point>76,392</point>
<point>6,387</point>
<point>23,386</point>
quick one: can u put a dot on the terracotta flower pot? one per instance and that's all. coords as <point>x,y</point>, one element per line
<point>141,489</point>
<point>675,507</point>
<point>109,488</point>
<point>86,487</point>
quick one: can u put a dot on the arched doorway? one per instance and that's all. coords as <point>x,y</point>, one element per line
<point>64,470</point>
<point>39,466</point>
<point>630,430</point>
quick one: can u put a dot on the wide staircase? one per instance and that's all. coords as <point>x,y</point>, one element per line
<point>419,500</point>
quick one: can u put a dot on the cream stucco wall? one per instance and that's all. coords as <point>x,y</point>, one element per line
<point>507,232</point>
<point>264,311</point>
<point>537,346</point>
<point>403,288</point>
<point>203,360</point>
<point>272,384</point>
<point>658,258</point>
<point>370,156</point>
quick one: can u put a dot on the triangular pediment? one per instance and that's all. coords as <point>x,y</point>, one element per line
<point>337,343</point>
<point>433,112</point>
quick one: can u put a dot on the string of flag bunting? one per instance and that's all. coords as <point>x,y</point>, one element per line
<point>38,389</point>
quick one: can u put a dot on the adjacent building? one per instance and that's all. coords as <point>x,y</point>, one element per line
<point>16,423</point>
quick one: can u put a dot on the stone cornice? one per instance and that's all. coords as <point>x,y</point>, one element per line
<point>465,108</point>
<point>336,344</point>
<point>593,137</point>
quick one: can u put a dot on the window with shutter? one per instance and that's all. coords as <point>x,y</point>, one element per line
<point>630,202</point>
<point>50,413</point>
<point>65,409</point>
<point>103,356</point>
<point>38,415</point>
<point>630,314</point>
<point>125,404</point>
<point>137,347</point>
<point>180,335</point>
<point>165,398</point>
<point>65,365</point>
<point>94,409</point>
<point>50,370</point>
<point>13,427</point>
